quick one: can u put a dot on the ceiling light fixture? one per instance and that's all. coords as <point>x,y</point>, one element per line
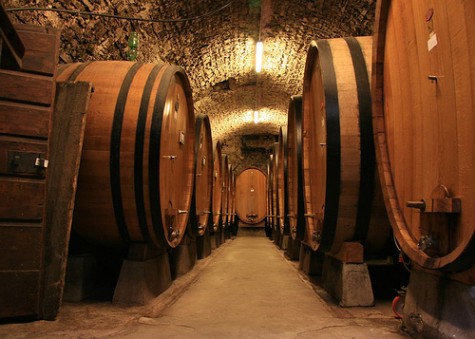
<point>256,117</point>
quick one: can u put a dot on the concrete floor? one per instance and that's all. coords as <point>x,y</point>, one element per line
<point>245,289</point>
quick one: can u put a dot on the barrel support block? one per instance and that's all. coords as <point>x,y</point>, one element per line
<point>310,262</point>
<point>348,282</point>
<point>293,249</point>
<point>183,257</point>
<point>142,277</point>
<point>438,307</point>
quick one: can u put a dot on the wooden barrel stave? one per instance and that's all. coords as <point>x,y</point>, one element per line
<point>425,126</point>
<point>122,175</point>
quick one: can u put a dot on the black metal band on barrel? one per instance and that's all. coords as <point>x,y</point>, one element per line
<point>193,215</point>
<point>201,124</point>
<point>114,159</point>
<point>332,195</point>
<point>297,103</point>
<point>367,152</point>
<point>139,152</point>
<point>73,76</point>
<point>224,192</point>
<point>216,203</point>
<point>154,154</point>
<point>285,213</point>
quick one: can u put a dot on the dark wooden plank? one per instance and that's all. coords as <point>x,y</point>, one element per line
<point>30,28</point>
<point>41,51</point>
<point>18,156</point>
<point>69,121</point>
<point>26,88</point>
<point>24,120</point>
<point>22,199</point>
<point>10,38</point>
<point>21,246</point>
<point>19,294</point>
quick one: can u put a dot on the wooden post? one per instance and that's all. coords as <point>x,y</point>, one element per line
<point>69,121</point>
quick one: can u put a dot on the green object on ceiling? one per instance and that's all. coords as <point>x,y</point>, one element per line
<point>254,3</point>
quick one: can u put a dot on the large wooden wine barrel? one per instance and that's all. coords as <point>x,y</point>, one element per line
<point>201,199</point>
<point>295,200</point>
<point>217,187</point>
<point>251,191</point>
<point>224,190</point>
<point>269,197</point>
<point>282,194</point>
<point>232,195</point>
<point>424,119</point>
<point>136,175</point>
<point>340,177</point>
<point>275,194</point>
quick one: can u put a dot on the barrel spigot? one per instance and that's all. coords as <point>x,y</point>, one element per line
<point>426,242</point>
<point>174,234</point>
<point>420,205</point>
<point>317,236</point>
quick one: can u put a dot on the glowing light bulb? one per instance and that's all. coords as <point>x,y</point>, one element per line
<point>256,117</point>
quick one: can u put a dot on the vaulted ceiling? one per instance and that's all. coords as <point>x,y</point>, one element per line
<point>214,41</point>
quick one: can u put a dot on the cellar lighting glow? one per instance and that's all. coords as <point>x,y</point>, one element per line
<point>259,51</point>
<point>256,117</point>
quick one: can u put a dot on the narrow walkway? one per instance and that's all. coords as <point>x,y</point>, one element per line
<point>245,289</point>
<point>250,290</point>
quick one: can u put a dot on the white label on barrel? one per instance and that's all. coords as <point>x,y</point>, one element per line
<point>182,137</point>
<point>432,42</point>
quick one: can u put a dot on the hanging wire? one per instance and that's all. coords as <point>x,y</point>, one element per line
<point>120,17</point>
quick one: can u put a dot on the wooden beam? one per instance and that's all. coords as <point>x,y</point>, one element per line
<point>10,38</point>
<point>69,121</point>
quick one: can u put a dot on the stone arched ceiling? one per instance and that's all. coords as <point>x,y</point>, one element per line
<point>216,48</point>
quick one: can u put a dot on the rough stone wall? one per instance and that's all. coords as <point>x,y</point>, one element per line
<point>212,49</point>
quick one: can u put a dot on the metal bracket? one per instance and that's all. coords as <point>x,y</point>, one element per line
<point>28,163</point>
<point>317,236</point>
<point>171,157</point>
